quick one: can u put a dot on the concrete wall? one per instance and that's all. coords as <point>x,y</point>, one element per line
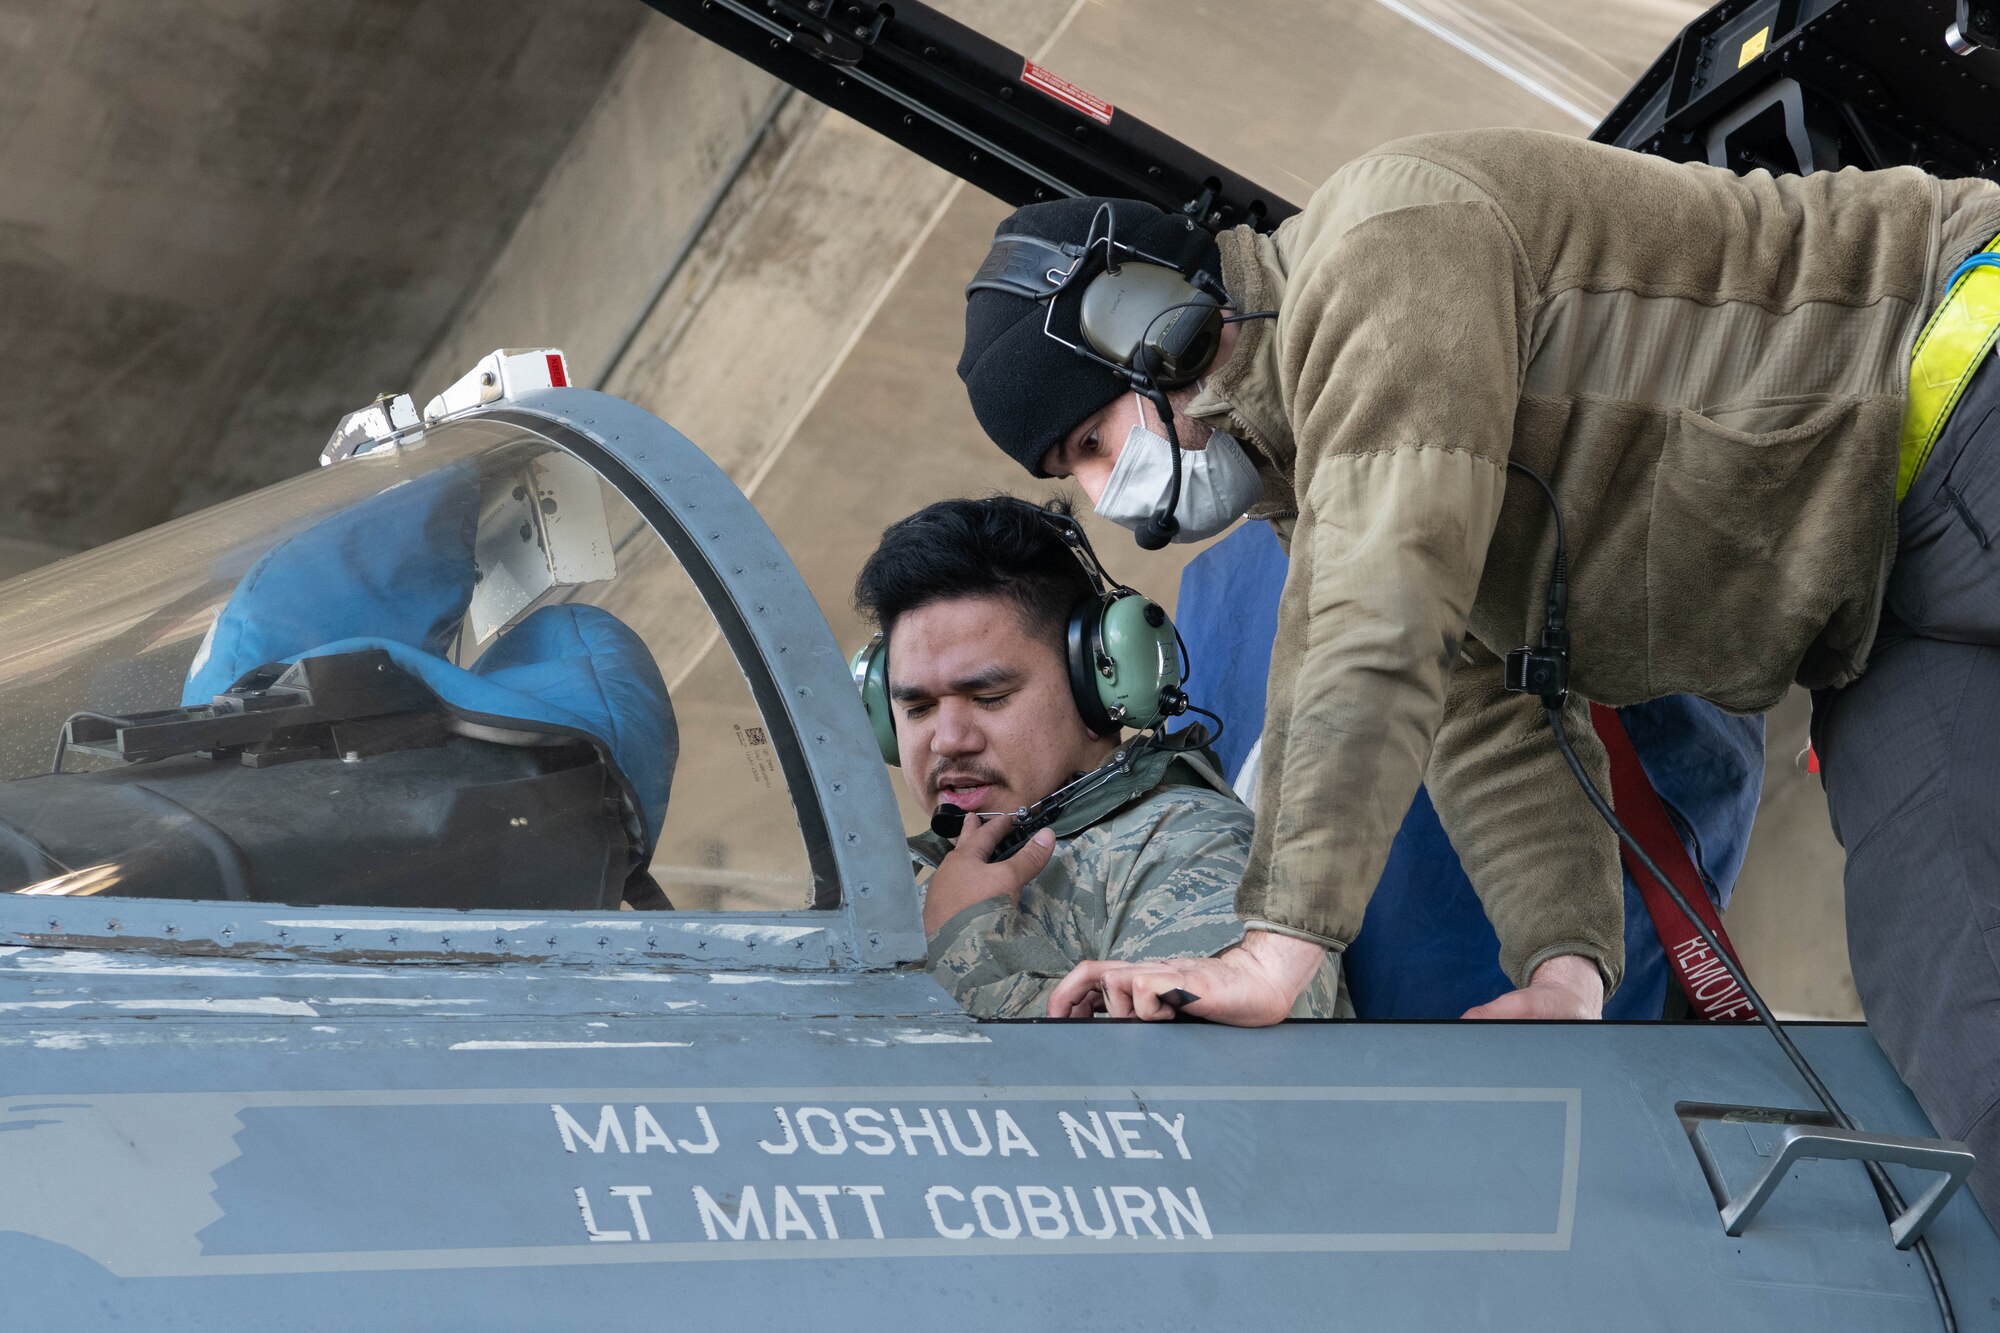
<point>224,224</point>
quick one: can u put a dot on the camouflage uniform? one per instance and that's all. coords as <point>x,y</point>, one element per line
<point>1146,867</point>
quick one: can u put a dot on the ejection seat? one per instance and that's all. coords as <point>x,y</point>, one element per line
<point>383,713</point>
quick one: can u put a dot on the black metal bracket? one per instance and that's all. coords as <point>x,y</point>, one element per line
<point>963,101</point>
<point>1815,85</point>
<point>348,704</point>
<point>838,33</point>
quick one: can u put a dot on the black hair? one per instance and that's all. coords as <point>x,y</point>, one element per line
<point>975,548</point>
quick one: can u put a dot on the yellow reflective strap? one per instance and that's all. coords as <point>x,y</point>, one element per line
<point>1960,332</point>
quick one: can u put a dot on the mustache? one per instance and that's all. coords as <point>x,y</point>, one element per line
<point>964,772</point>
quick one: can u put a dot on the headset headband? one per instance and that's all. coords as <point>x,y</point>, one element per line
<point>1028,266</point>
<point>1078,542</point>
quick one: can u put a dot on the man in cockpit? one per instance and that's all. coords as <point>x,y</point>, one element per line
<point>975,601</point>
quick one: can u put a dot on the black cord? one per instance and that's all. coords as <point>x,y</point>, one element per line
<point>1254,314</point>
<point>1220,726</point>
<point>1160,529</point>
<point>1885,1189</point>
<point>1555,649</point>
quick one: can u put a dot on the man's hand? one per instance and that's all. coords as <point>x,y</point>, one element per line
<point>1567,986</point>
<point>965,876</point>
<point>1251,985</point>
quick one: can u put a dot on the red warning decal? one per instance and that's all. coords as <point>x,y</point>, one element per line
<point>1071,96</point>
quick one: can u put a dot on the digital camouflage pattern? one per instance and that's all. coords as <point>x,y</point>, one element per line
<point>1153,877</point>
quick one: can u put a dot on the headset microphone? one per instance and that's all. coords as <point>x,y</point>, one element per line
<point>1162,527</point>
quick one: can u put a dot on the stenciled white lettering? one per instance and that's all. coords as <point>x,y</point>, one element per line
<point>869,1137</point>
<point>632,1194</point>
<point>1010,1135</point>
<point>867,1194</point>
<point>709,1144</point>
<point>819,1194</point>
<point>1100,1138</point>
<point>963,1231</point>
<point>837,1140</point>
<point>1175,1131</point>
<point>646,1132</point>
<point>1128,1138</point>
<point>958,1144</point>
<point>1134,1202</point>
<point>911,1132</point>
<point>786,1216</point>
<point>990,1212</point>
<point>982,1197</point>
<point>1042,1209</point>
<point>590,1226</point>
<point>1191,1212</point>
<point>608,1129</point>
<point>749,1212</point>
<point>1108,1228</point>
<point>791,1141</point>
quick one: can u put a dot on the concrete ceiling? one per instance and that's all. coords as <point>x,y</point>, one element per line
<point>225,222</point>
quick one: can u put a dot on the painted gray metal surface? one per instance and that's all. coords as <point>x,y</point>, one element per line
<point>274,1146</point>
<point>242,1117</point>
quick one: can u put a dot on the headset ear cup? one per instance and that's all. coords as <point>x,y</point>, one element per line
<point>1135,636</point>
<point>1178,353</point>
<point>1151,320</point>
<point>871,676</point>
<point>1084,639</point>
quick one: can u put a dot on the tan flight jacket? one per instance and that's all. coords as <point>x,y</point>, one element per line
<point>1709,369</point>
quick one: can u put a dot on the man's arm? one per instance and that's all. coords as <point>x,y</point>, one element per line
<point>996,960</point>
<point>1156,883</point>
<point>1168,889</point>
<point>1170,894</point>
<point>1545,866</point>
<point>1400,364</point>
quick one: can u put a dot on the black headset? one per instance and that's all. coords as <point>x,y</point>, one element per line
<point>1125,663</point>
<point>1140,316</point>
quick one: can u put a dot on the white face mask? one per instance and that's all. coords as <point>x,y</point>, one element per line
<point>1219,483</point>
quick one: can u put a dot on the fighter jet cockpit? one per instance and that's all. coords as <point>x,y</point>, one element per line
<point>453,667</point>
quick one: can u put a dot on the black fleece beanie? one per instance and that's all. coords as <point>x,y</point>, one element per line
<point>1027,389</point>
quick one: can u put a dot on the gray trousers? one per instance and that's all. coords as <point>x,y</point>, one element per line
<point>1911,758</point>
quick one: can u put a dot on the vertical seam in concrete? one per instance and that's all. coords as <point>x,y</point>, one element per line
<point>476,292</point>
<point>695,232</point>
<point>854,336</point>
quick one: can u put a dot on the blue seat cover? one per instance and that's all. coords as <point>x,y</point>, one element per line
<point>395,572</point>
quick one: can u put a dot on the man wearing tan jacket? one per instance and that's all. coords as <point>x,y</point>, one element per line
<point>1712,372</point>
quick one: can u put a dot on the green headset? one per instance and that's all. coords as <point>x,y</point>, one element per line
<point>1124,655</point>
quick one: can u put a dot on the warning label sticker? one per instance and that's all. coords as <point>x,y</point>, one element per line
<point>1071,96</point>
